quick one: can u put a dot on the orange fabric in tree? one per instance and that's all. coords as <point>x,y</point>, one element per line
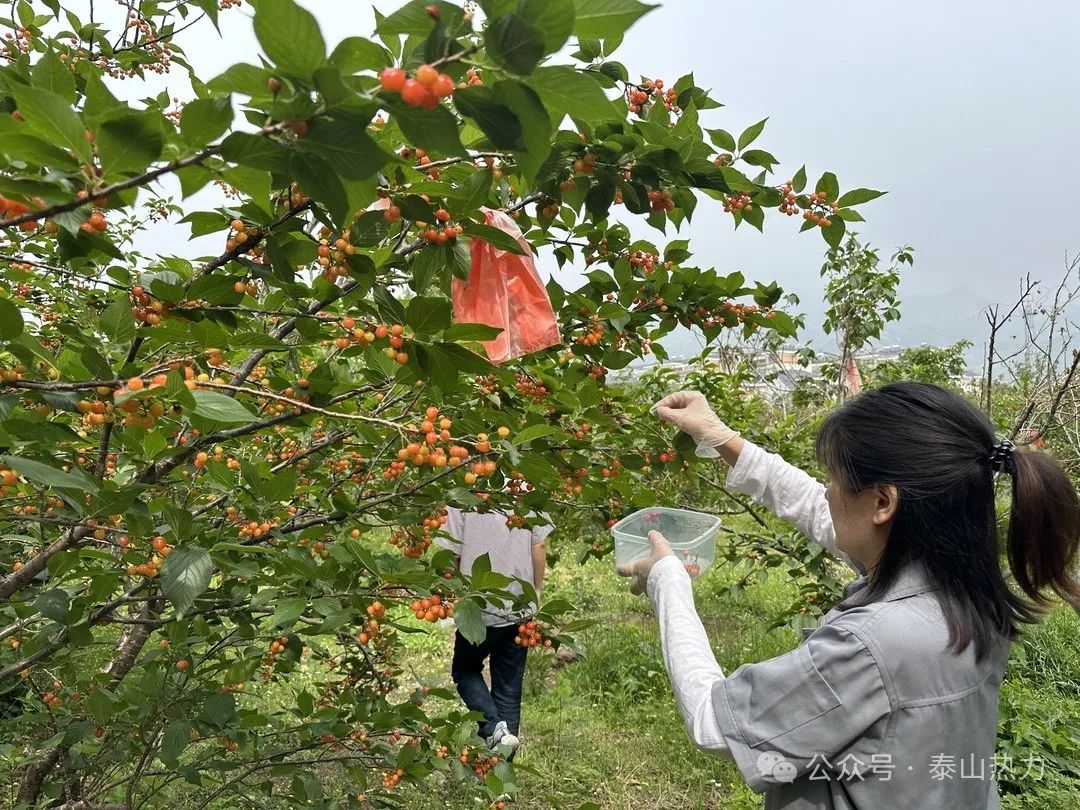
<point>504,290</point>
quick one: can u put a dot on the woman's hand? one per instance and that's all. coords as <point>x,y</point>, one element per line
<point>638,571</point>
<point>689,411</point>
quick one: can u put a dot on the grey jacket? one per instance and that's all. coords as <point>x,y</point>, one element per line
<point>873,710</point>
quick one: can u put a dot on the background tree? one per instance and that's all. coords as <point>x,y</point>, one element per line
<point>221,474</point>
<point>861,298</point>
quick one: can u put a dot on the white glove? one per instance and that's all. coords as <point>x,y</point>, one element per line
<point>638,571</point>
<point>689,411</point>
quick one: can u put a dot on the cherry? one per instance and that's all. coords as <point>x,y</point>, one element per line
<point>413,93</point>
<point>427,75</point>
<point>393,79</point>
<point>443,86</point>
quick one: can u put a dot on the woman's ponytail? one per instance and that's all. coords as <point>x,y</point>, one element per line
<point>1044,528</point>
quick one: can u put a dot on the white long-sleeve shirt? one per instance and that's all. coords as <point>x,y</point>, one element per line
<point>789,493</point>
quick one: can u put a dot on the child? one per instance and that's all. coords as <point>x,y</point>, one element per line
<point>516,553</point>
<point>892,700</point>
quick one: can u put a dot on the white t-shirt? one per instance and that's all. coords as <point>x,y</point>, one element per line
<point>475,534</point>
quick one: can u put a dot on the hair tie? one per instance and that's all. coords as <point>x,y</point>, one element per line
<point>1001,457</point>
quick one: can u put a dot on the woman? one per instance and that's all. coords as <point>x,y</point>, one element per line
<point>891,702</point>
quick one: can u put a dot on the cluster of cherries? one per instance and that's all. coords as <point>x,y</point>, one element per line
<point>425,90</point>
<point>594,334</point>
<point>661,201</point>
<point>531,634</point>
<point>432,609</point>
<point>160,549</point>
<point>637,96</point>
<point>737,202</point>
<point>530,387</point>
<point>375,611</point>
<point>366,334</point>
<point>819,210</point>
<point>481,765</point>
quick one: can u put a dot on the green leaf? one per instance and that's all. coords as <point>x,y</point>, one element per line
<point>514,43</point>
<point>256,151</point>
<point>569,92</point>
<point>434,130</point>
<point>54,604</point>
<point>834,233</point>
<point>345,145</point>
<point>206,119</point>
<point>128,145</point>
<point>469,621</point>
<point>496,120</point>
<point>320,181</point>
<point>598,200</point>
<point>828,184</point>
<point>722,139</point>
<point>538,470</point>
<point>858,196</point>
<point>11,320</point>
<point>476,191</point>
<point>117,322</point>
<point>290,36</point>
<point>426,266</point>
<point>444,362</point>
<point>533,432</point>
<point>354,54</point>
<point>607,19</point>
<point>185,574</point>
<point>413,19</point>
<point>428,314</point>
<point>287,611</point>
<point>49,476</point>
<point>798,182</point>
<point>219,709</point>
<point>32,149</point>
<point>389,306</point>
<point>462,332</point>
<point>175,740</point>
<point>535,122</point>
<point>554,18</point>
<point>749,135</point>
<point>54,76</point>
<point>220,408</point>
<point>211,8</point>
<point>736,180</point>
<point>52,117</point>
<point>495,237</point>
<point>242,78</point>
<point>759,157</point>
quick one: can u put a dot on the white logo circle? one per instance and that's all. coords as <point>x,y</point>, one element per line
<point>784,771</point>
<point>772,765</point>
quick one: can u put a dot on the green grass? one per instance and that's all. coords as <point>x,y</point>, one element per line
<point>605,728</point>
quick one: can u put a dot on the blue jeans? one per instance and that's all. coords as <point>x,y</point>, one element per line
<point>507,664</point>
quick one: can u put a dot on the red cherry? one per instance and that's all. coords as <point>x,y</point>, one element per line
<point>392,79</point>
<point>413,93</point>
<point>444,86</point>
<point>430,100</point>
<point>427,75</point>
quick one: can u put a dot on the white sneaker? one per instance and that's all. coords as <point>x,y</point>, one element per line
<point>503,737</point>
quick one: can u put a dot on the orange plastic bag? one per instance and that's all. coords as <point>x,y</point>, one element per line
<point>505,291</point>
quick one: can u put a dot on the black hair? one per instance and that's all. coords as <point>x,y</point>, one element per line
<point>938,451</point>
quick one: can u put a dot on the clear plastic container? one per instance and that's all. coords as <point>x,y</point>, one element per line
<point>692,536</point>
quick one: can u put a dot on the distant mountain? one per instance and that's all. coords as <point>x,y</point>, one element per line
<point>939,319</point>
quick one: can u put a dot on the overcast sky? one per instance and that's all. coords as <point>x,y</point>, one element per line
<point>966,112</point>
